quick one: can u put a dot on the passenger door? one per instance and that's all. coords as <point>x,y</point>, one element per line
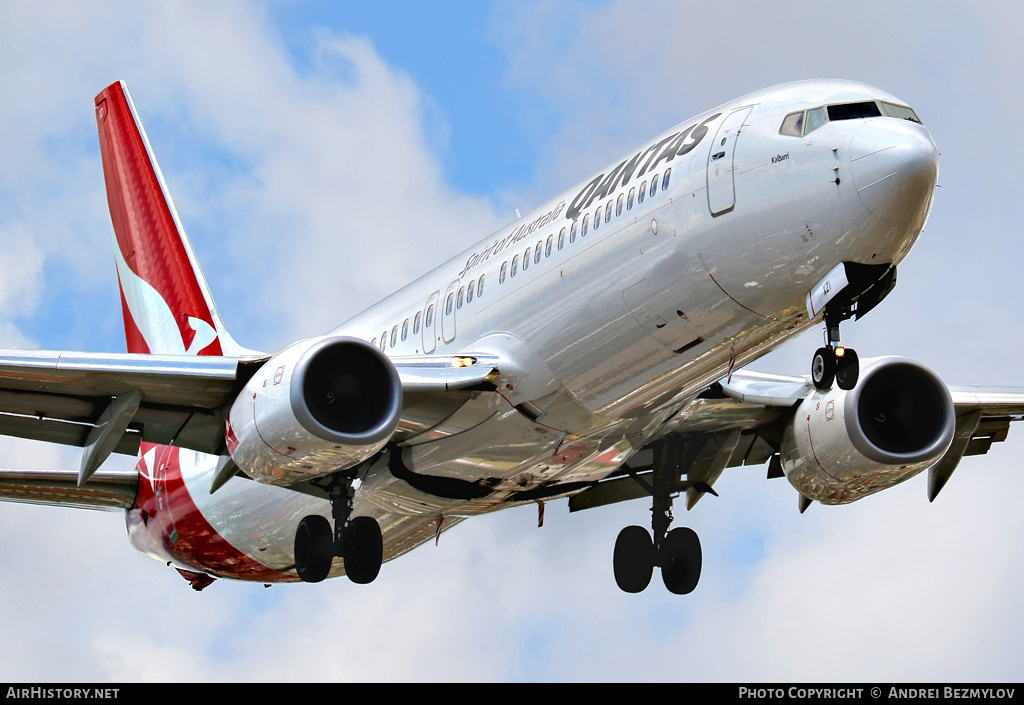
<point>722,163</point>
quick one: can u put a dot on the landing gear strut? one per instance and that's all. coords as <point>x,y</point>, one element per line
<point>833,362</point>
<point>676,552</point>
<point>357,541</point>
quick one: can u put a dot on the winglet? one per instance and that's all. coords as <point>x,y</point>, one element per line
<point>166,302</point>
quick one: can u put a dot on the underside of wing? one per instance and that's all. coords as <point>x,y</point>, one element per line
<point>983,417</point>
<point>742,420</point>
<point>61,397</point>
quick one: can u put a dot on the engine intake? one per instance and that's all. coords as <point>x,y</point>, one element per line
<point>844,445</point>
<point>318,406</point>
<point>904,414</point>
<point>343,389</point>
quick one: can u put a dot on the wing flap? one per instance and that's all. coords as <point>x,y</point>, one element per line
<point>68,433</point>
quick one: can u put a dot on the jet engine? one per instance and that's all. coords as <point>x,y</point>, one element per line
<point>844,445</point>
<point>319,405</point>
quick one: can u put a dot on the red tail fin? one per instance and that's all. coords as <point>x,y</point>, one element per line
<point>165,300</point>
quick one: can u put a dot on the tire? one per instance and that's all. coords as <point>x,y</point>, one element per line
<point>823,368</point>
<point>314,548</point>
<point>633,560</point>
<point>681,561</point>
<point>364,550</point>
<point>848,370</point>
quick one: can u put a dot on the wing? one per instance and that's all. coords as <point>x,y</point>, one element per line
<point>109,402</point>
<point>739,422</point>
<point>61,397</point>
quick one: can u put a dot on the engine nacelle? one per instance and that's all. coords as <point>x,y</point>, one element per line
<point>320,405</point>
<point>844,445</point>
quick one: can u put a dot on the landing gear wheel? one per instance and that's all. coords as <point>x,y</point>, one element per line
<point>680,557</point>
<point>314,548</point>
<point>847,370</point>
<point>363,550</point>
<point>633,560</point>
<point>823,368</point>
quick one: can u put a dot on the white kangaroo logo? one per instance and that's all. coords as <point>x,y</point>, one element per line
<point>154,317</point>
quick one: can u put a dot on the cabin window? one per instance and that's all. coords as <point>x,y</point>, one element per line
<point>430,316</point>
<point>548,244</point>
<point>586,221</point>
<point>629,201</point>
<point>373,342</point>
<point>480,286</point>
<point>469,292</point>
<point>608,212</point>
<point>618,204</point>
<point>526,258</point>
<point>383,340</point>
<point>394,336</point>
<point>561,238</point>
<point>462,293</point>
<point>537,251</point>
<point>643,193</point>
<point>515,265</point>
<point>597,218</point>
<point>793,124</point>
<point>815,119</point>
<point>654,185</point>
<point>449,305</point>
<point>501,274</point>
<point>664,181</point>
<point>416,322</point>
<point>405,329</point>
<point>572,231</point>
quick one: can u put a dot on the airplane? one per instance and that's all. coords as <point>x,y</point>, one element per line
<point>593,349</point>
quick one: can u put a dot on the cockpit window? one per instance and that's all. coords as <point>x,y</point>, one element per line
<point>807,121</point>
<point>793,124</point>
<point>853,111</point>
<point>900,111</point>
<point>815,119</point>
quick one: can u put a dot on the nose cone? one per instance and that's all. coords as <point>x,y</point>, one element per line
<point>895,166</point>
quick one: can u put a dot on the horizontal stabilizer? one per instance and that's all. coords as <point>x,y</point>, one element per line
<point>106,489</point>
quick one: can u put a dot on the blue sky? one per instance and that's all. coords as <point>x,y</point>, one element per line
<point>322,155</point>
<point>451,51</point>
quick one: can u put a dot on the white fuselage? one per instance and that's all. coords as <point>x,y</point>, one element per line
<point>605,335</point>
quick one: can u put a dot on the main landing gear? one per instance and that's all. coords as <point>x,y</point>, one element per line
<point>357,541</point>
<point>833,362</point>
<point>676,552</point>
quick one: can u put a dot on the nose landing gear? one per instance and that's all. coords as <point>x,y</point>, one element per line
<point>833,362</point>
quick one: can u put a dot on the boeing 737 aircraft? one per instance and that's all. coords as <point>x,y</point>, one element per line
<point>592,349</point>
